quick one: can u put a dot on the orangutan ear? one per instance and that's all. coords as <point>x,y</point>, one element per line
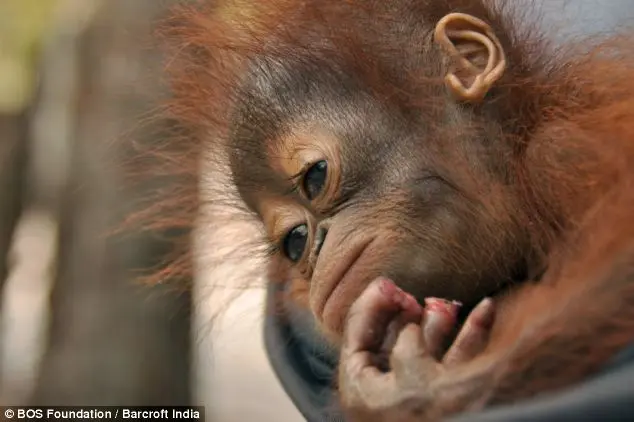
<point>477,60</point>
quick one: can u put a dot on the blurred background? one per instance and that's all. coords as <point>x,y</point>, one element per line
<point>79,79</point>
<point>76,77</point>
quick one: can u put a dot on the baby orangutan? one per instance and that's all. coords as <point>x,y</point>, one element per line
<point>441,146</point>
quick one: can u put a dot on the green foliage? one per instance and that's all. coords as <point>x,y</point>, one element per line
<point>23,24</point>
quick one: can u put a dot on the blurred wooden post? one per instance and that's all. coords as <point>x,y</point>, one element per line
<point>111,341</point>
<point>13,156</point>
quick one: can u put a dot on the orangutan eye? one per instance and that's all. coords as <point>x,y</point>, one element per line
<point>315,179</point>
<point>294,242</point>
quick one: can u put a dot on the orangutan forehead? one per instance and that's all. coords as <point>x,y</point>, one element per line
<point>288,108</point>
<point>285,108</point>
<point>295,111</point>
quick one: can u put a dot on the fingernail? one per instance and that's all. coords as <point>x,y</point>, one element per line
<point>441,305</point>
<point>484,313</point>
<point>392,291</point>
<point>434,317</point>
<point>387,287</point>
<point>411,304</point>
<point>399,296</point>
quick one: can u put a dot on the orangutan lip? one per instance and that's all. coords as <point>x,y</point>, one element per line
<point>340,273</point>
